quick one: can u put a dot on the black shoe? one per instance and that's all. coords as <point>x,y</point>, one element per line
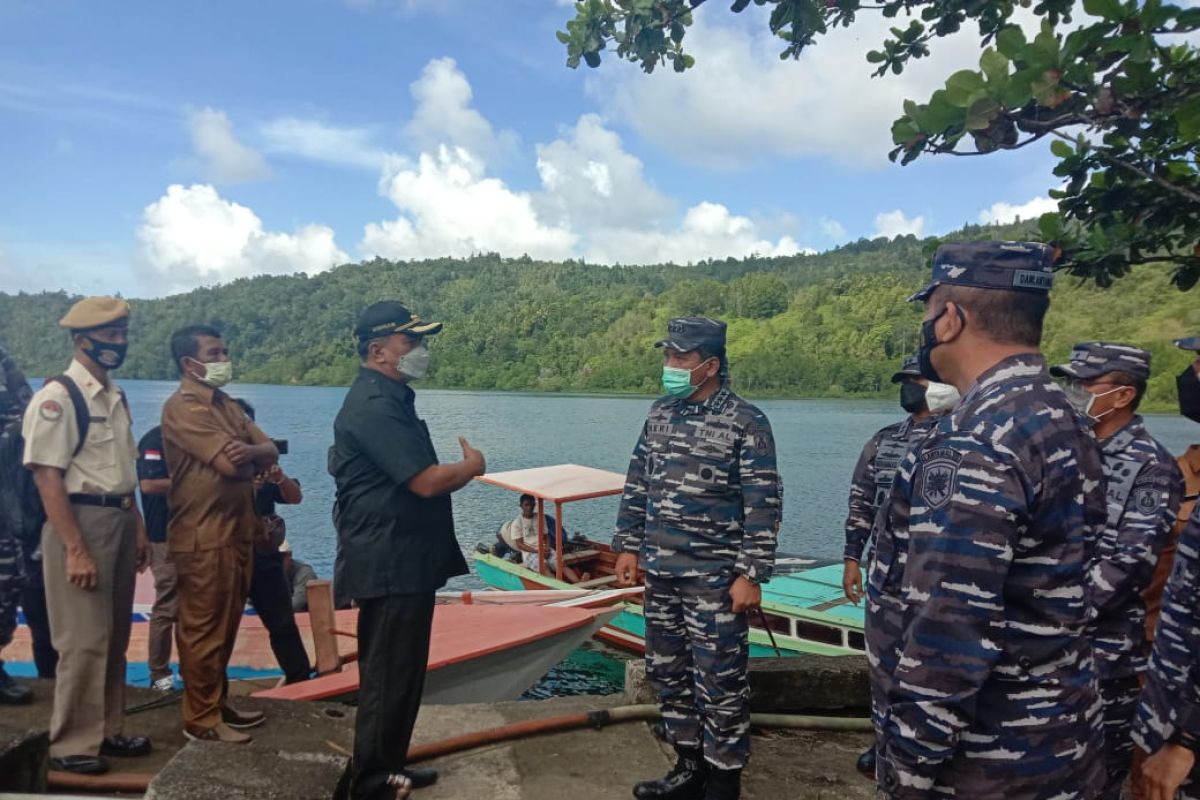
<point>685,781</point>
<point>420,778</point>
<point>11,692</point>
<point>125,746</point>
<point>723,784</point>
<point>80,765</point>
<point>866,764</point>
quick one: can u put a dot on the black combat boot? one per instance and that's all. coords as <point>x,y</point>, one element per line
<point>866,763</point>
<point>685,781</point>
<point>723,784</point>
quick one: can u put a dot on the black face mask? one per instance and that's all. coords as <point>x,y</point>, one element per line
<point>1188,385</point>
<point>912,397</point>
<point>928,342</point>
<point>106,354</point>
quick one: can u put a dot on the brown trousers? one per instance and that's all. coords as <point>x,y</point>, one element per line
<point>90,630</point>
<point>212,586</point>
<point>160,636</point>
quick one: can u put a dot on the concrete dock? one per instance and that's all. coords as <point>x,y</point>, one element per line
<point>300,753</point>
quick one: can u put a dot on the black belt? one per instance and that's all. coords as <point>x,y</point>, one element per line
<point>121,501</point>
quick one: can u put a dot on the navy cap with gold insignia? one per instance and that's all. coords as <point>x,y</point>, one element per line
<point>387,317</point>
<point>685,334</point>
<point>1093,359</point>
<point>1021,266</point>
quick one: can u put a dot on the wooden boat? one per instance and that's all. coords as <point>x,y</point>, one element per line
<point>485,647</point>
<point>479,653</point>
<point>803,608</point>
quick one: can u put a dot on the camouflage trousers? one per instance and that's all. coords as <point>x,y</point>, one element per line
<point>12,579</point>
<point>696,658</point>
<point>1120,696</point>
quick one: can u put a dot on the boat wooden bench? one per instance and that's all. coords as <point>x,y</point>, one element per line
<point>603,580</point>
<point>580,555</point>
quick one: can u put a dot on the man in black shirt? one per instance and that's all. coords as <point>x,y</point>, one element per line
<point>270,590</point>
<point>155,482</point>
<point>396,544</point>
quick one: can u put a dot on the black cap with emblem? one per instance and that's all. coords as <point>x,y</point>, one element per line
<point>685,334</point>
<point>387,317</point>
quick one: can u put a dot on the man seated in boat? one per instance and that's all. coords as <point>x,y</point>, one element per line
<point>520,535</point>
<point>299,574</point>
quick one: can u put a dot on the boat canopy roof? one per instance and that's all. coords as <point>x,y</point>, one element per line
<point>562,483</point>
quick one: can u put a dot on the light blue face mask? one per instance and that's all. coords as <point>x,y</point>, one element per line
<point>677,381</point>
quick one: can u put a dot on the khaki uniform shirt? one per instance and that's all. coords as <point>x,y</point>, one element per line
<point>105,464</point>
<point>207,509</point>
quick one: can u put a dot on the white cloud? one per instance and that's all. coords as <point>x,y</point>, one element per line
<point>708,230</point>
<point>741,103</point>
<point>594,203</point>
<point>449,208</point>
<point>589,181</point>
<point>894,223</point>
<point>443,115</point>
<point>223,158</point>
<point>319,141</point>
<point>1003,213</point>
<point>832,229</point>
<point>192,236</point>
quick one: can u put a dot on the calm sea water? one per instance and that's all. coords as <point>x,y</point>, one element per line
<point>818,443</point>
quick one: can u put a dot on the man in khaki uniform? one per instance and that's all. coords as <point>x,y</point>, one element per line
<point>93,541</point>
<point>213,452</point>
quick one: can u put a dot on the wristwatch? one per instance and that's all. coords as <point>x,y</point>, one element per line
<point>1185,739</point>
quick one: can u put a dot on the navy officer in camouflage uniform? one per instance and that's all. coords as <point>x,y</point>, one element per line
<point>14,397</point>
<point>1105,383</point>
<point>701,508</point>
<point>982,673</point>
<point>871,484</point>
<point>1168,714</point>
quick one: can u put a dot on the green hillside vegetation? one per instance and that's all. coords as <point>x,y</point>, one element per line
<point>827,325</point>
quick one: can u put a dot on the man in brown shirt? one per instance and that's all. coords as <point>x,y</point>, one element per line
<point>213,453</point>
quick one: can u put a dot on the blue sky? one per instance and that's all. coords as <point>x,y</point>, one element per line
<point>148,148</point>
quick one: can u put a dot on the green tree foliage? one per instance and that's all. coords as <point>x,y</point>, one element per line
<point>834,324</point>
<point>1119,95</point>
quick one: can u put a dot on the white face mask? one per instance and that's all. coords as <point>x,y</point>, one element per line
<point>415,363</point>
<point>1083,400</point>
<point>941,396</point>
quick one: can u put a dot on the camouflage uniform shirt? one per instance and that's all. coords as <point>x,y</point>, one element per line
<point>982,673</point>
<point>1171,699</point>
<point>872,481</point>
<point>702,494</point>
<point>1144,488</point>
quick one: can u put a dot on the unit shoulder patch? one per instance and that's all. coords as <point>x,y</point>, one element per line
<point>50,410</point>
<point>939,475</point>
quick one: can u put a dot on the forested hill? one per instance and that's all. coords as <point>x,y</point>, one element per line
<point>822,325</point>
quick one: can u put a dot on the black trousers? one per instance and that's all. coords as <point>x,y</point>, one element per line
<point>271,596</point>
<point>393,650</point>
<point>33,603</point>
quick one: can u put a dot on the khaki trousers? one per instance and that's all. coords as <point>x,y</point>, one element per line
<point>90,630</point>
<point>159,638</point>
<point>212,586</point>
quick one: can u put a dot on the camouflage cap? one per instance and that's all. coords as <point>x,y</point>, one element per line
<point>1093,359</point>
<point>95,312</point>
<point>685,334</point>
<point>1189,343</point>
<point>1026,266</point>
<point>910,368</point>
